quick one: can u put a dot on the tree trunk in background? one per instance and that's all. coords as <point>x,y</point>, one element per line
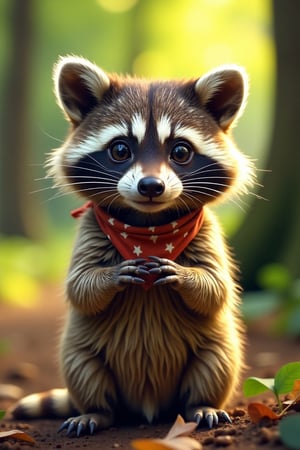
<point>15,122</point>
<point>271,230</point>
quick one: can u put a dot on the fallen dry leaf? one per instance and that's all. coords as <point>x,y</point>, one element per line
<point>176,438</point>
<point>17,434</point>
<point>258,411</point>
<point>179,443</point>
<point>181,428</point>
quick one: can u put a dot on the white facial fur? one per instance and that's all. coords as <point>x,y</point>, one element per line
<point>128,189</point>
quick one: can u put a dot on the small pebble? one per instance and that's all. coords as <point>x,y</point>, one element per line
<point>225,432</point>
<point>268,435</point>
<point>238,412</point>
<point>223,441</point>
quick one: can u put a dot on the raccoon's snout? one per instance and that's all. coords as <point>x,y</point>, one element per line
<point>151,187</point>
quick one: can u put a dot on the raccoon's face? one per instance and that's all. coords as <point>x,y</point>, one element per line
<point>145,146</point>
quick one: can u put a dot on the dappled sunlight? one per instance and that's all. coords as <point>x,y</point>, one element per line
<point>19,289</point>
<point>117,6</point>
<point>27,267</point>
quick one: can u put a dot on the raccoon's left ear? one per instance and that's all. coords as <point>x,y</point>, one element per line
<point>79,86</point>
<point>223,92</point>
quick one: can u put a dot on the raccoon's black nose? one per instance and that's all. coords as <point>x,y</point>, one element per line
<point>151,187</point>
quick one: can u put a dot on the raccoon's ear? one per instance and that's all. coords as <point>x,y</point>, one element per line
<point>223,92</point>
<point>79,86</point>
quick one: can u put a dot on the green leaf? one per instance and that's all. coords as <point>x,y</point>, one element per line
<point>285,378</point>
<point>254,386</point>
<point>2,413</point>
<point>275,277</point>
<point>289,431</point>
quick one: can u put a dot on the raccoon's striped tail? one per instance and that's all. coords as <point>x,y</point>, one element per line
<point>55,403</point>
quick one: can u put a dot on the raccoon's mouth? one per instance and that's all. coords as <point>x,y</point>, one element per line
<point>149,205</point>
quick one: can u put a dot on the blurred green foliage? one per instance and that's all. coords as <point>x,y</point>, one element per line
<point>26,266</point>
<point>279,297</point>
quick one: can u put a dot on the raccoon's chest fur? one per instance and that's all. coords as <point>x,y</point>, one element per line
<point>144,338</point>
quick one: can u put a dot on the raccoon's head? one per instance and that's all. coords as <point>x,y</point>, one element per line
<point>149,146</point>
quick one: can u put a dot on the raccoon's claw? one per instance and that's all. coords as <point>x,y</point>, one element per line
<point>130,280</point>
<point>92,426</point>
<point>159,261</point>
<point>224,416</point>
<point>163,268</point>
<point>166,280</point>
<point>65,425</point>
<point>132,271</point>
<point>210,416</point>
<point>79,425</point>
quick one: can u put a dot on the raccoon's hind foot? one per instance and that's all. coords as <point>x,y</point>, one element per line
<point>207,415</point>
<point>86,423</point>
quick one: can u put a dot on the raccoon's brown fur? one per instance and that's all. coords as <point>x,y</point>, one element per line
<point>148,153</point>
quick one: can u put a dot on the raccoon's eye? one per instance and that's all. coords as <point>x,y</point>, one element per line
<point>119,152</point>
<point>181,153</point>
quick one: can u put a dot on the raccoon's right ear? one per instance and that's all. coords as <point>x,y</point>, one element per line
<point>79,86</point>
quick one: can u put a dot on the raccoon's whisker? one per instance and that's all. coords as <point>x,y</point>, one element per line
<point>201,170</point>
<point>95,183</point>
<point>103,192</point>
<point>81,183</point>
<point>61,194</point>
<point>260,197</point>
<point>98,164</point>
<point>55,196</point>
<point>207,174</point>
<point>111,202</point>
<point>45,133</point>
<point>210,178</point>
<point>37,191</point>
<point>238,205</point>
<point>192,198</point>
<point>88,177</point>
<point>196,185</point>
<point>98,182</point>
<point>231,199</point>
<point>88,169</point>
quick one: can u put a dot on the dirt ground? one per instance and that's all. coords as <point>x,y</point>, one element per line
<point>32,335</point>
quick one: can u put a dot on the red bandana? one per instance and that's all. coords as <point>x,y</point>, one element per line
<point>164,241</point>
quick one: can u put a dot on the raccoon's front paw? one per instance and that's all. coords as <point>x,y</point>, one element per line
<point>132,272</point>
<point>86,423</point>
<point>207,415</point>
<point>167,271</point>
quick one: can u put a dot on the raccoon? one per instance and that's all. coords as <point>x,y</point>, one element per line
<point>153,327</point>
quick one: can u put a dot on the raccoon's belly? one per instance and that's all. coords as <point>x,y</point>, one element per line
<point>143,338</point>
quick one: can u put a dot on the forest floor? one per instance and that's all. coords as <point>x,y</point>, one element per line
<point>32,336</point>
